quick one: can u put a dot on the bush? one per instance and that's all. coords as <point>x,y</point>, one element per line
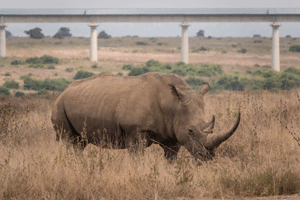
<point>42,92</point>
<point>179,72</point>
<point>26,76</point>
<point>11,84</point>
<point>153,63</point>
<point>230,83</point>
<point>32,60</point>
<point>4,91</point>
<point>48,84</point>
<point>7,74</point>
<point>138,71</point>
<point>292,71</point>
<point>36,66</point>
<point>32,84</point>
<point>83,74</point>
<point>51,67</point>
<point>16,62</point>
<point>19,94</point>
<point>192,81</point>
<point>242,51</point>
<point>127,66</point>
<point>94,66</point>
<point>120,74</point>
<point>49,60</point>
<point>141,43</point>
<point>69,69</point>
<point>210,70</point>
<point>257,41</point>
<point>294,48</point>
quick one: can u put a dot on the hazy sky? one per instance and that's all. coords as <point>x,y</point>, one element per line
<point>157,29</point>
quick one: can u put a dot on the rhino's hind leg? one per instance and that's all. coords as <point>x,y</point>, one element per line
<point>65,131</point>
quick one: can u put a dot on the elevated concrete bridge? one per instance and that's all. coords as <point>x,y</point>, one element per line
<point>183,16</point>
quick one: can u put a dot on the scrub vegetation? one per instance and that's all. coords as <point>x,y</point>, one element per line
<point>260,159</point>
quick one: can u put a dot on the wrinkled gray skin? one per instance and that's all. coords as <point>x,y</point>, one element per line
<point>156,108</point>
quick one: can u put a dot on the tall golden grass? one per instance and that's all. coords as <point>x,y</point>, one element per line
<point>260,159</point>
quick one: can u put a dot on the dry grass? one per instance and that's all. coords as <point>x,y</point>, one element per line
<point>261,159</point>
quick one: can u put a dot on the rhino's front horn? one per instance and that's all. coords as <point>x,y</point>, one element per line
<point>214,140</point>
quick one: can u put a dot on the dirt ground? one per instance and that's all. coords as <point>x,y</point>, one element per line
<point>127,55</point>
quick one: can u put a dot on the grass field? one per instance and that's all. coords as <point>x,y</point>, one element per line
<point>260,160</point>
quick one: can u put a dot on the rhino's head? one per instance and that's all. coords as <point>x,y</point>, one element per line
<point>190,128</point>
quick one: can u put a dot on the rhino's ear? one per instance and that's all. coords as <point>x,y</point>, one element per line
<point>182,96</point>
<point>204,88</point>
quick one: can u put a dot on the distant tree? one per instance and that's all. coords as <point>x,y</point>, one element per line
<point>35,33</point>
<point>200,33</point>
<point>256,35</point>
<point>63,32</point>
<point>288,36</point>
<point>104,35</point>
<point>8,34</point>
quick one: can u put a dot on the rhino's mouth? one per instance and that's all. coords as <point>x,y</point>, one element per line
<point>203,144</point>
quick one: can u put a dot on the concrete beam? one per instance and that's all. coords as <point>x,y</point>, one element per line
<point>93,42</point>
<point>148,18</point>
<point>2,41</point>
<point>185,43</point>
<point>275,47</point>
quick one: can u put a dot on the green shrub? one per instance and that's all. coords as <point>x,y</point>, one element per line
<point>47,84</point>
<point>210,70</point>
<point>120,74</point>
<point>83,74</point>
<point>127,66</point>
<point>242,51</point>
<point>42,92</point>
<point>33,60</point>
<point>36,66</point>
<point>153,63</point>
<point>49,60</point>
<point>292,71</point>
<point>51,67</point>
<point>4,91</point>
<point>33,84</point>
<point>59,84</point>
<point>141,43</point>
<point>138,71</point>
<point>94,66</point>
<point>69,69</point>
<point>168,66</point>
<point>16,62</point>
<point>230,83</point>
<point>294,48</point>
<point>19,94</point>
<point>192,81</point>
<point>179,72</point>
<point>11,84</point>
<point>26,76</point>
<point>7,74</point>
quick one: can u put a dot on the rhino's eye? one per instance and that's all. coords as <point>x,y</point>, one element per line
<point>191,132</point>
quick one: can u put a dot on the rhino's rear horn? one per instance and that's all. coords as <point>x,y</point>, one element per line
<point>214,140</point>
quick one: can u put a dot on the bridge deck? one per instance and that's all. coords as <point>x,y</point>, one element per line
<point>149,15</point>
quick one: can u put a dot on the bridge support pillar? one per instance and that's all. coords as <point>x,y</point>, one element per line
<point>275,47</point>
<point>185,43</point>
<point>93,42</point>
<point>2,41</point>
